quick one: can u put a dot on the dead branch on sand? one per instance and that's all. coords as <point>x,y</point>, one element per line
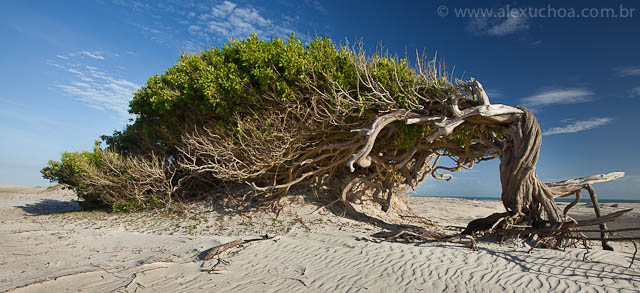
<point>217,250</point>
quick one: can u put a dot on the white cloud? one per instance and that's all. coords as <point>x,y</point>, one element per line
<point>49,62</point>
<point>100,97</point>
<point>511,25</point>
<point>221,10</point>
<point>199,25</point>
<point>627,71</point>
<point>249,15</point>
<point>579,126</point>
<point>98,74</point>
<point>93,55</point>
<point>82,54</point>
<point>498,27</point>
<point>559,96</point>
<point>80,84</point>
<point>230,21</point>
<point>101,90</point>
<point>75,71</point>
<point>494,93</point>
<point>635,92</point>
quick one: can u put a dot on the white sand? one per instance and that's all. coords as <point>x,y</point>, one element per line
<point>47,247</point>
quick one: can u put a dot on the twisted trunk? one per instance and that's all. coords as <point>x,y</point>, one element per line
<point>523,194</point>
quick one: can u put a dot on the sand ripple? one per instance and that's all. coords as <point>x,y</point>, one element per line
<point>328,263</point>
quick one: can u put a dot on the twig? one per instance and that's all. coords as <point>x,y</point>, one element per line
<point>610,230</point>
<point>213,268</point>
<point>635,251</point>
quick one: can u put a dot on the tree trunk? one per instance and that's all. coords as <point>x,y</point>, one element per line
<point>524,196</point>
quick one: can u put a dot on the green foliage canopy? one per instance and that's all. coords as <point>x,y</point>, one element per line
<point>244,78</point>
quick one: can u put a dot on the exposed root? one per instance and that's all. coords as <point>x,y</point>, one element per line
<point>482,224</point>
<point>552,236</point>
<point>578,194</point>
<point>417,234</point>
<point>410,235</point>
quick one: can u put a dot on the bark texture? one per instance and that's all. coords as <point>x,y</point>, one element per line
<point>524,195</point>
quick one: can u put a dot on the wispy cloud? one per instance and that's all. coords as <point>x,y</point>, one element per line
<point>624,71</point>
<point>511,25</point>
<point>194,25</point>
<point>559,96</point>
<point>94,55</point>
<point>228,20</point>
<point>635,92</point>
<point>93,86</point>
<point>535,44</point>
<point>152,33</point>
<point>74,71</point>
<point>578,126</point>
<point>494,93</point>
<point>222,10</point>
<point>53,63</point>
<point>317,5</point>
<point>498,27</point>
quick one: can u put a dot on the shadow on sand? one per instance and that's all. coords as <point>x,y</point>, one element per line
<point>50,206</point>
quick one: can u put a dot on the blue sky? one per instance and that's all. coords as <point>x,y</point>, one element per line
<point>68,69</point>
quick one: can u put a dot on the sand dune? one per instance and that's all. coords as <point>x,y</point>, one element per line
<point>48,251</point>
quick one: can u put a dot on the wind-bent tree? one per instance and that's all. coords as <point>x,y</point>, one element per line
<point>270,115</point>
